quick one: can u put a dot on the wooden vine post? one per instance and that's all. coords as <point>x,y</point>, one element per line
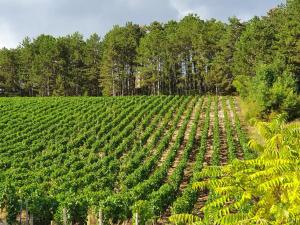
<point>136,218</point>
<point>100,217</point>
<point>65,216</point>
<point>31,220</point>
<point>21,209</point>
<point>27,216</point>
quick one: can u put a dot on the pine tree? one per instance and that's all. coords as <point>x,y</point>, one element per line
<point>119,59</point>
<point>92,60</point>
<point>151,59</point>
<point>9,79</point>
<point>221,76</point>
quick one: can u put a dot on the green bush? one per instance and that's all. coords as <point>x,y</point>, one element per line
<point>270,91</point>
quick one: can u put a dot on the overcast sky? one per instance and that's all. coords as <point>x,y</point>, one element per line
<point>20,18</point>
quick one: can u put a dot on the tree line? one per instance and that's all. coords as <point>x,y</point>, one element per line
<point>190,56</point>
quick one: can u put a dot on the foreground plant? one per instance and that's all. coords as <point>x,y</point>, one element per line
<point>265,190</point>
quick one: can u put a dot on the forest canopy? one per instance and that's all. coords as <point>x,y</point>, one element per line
<point>258,59</point>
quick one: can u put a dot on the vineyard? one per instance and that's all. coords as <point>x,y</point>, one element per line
<point>117,158</point>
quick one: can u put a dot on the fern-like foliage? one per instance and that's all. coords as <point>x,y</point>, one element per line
<point>265,190</point>
<point>184,219</point>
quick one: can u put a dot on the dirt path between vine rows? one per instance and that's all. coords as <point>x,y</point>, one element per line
<point>203,195</point>
<point>160,123</point>
<point>175,134</point>
<point>188,129</point>
<point>188,171</point>
<point>209,146</point>
<point>223,141</point>
<point>171,143</point>
<point>150,138</point>
<point>239,151</point>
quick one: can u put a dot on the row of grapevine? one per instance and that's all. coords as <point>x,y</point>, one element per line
<point>120,155</point>
<point>229,133</point>
<point>185,202</point>
<point>141,153</point>
<point>117,206</point>
<point>167,193</point>
<point>240,132</point>
<point>62,150</point>
<point>184,205</point>
<point>216,135</point>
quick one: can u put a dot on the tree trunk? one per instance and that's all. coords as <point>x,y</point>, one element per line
<point>113,82</point>
<point>100,217</point>
<point>27,218</point>
<point>65,216</point>
<point>136,218</point>
<point>31,219</point>
<point>48,86</point>
<point>21,209</point>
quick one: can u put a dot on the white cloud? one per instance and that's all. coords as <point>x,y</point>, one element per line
<point>21,18</point>
<point>244,16</point>
<point>184,8</point>
<point>25,2</point>
<point>133,4</point>
<point>7,37</point>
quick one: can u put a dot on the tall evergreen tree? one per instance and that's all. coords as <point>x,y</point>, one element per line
<point>221,75</point>
<point>119,59</point>
<point>151,59</point>
<point>172,65</point>
<point>190,56</point>
<point>45,54</point>
<point>188,27</point>
<point>9,79</point>
<point>75,78</point>
<point>255,46</point>
<point>206,47</point>
<point>92,60</point>
<point>288,45</point>
<point>25,58</point>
